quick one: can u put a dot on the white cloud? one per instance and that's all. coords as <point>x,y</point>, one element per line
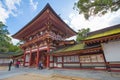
<point>3,14</point>
<point>11,5</point>
<point>8,7</point>
<point>115,18</point>
<point>15,41</point>
<point>33,4</point>
<point>77,21</point>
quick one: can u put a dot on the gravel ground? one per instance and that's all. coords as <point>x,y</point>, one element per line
<point>98,75</point>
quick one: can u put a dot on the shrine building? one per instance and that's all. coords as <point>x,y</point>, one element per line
<point>45,40</point>
<point>99,51</point>
<point>46,32</point>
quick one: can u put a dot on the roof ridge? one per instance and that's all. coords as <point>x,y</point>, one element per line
<point>103,30</point>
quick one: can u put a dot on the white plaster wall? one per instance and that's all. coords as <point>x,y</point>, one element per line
<point>27,58</point>
<point>55,65</point>
<point>26,64</point>
<point>112,51</point>
<point>51,58</point>
<point>72,65</point>
<point>51,64</point>
<point>59,65</point>
<point>4,61</point>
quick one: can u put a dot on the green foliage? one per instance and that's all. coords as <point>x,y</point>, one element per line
<point>13,48</point>
<point>4,33</point>
<point>82,34</point>
<point>5,41</point>
<point>99,7</point>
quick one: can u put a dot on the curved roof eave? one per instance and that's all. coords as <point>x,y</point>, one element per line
<point>45,8</point>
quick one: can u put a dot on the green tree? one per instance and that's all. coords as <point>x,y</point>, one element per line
<point>4,38</point>
<point>6,44</point>
<point>13,48</point>
<point>99,7</point>
<point>82,34</point>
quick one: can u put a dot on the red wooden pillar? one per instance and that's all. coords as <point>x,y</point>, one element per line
<point>48,58</point>
<point>53,61</point>
<point>79,61</point>
<point>48,62</point>
<point>62,61</point>
<point>24,58</point>
<point>30,60</point>
<point>37,60</point>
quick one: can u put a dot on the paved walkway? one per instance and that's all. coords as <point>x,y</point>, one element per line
<point>99,75</point>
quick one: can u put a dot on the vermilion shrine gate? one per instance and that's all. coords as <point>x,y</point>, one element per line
<point>43,34</point>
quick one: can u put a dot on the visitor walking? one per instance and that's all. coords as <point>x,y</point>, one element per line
<point>17,64</point>
<point>10,64</point>
<point>40,65</point>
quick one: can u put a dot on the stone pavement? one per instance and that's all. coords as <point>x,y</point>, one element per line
<point>99,75</point>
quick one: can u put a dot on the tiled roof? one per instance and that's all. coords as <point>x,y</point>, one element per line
<point>71,48</point>
<point>104,32</point>
<point>107,33</point>
<point>8,55</point>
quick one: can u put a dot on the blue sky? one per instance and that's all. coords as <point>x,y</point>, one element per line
<point>28,9</point>
<point>17,13</point>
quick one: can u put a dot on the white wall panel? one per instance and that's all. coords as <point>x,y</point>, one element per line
<point>27,58</point>
<point>112,51</point>
<point>51,64</point>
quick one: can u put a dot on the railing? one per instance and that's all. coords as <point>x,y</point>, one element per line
<point>78,65</point>
<point>113,67</point>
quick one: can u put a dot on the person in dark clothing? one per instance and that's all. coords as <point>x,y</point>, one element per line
<point>40,65</point>
<point>17,64</point>
<point>10,64</point>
